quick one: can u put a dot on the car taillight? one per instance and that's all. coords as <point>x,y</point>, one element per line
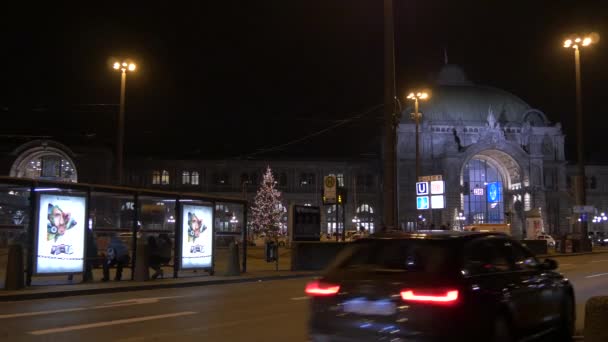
<point>430,296</point>
<point>317,288</point>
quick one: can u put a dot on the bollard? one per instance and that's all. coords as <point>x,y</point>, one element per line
<point>14,268</point>
<point>596,316</point>
<point>142,269</point>
<point>233,268</point>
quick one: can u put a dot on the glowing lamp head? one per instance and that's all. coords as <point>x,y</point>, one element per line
<point>131,67</point>
<point>587,41</point>
<point>411,96</point>
<point>568,43</point>
<point>116,65</point>
<point>424,96</point>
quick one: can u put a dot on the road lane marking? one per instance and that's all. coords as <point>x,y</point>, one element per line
<point>108,323</point>
<point>300,298</point>
<point>128,302</point>
<point>603,260</point>
<point>596,275</point>
<point>38,313</point>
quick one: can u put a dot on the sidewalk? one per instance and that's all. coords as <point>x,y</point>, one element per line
<point>79,289</point>
<point>553,254</point>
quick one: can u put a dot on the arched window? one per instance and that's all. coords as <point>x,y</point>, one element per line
<point>155,177</point>
<point>45,163</point>
<point>330,218</point>
<point>165,177</point>
<point>185,177</point>
<point>483,196</point>
<point>365,214</point>
<point>195,178</point>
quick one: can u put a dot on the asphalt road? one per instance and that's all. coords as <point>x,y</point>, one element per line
<point>262,311</point>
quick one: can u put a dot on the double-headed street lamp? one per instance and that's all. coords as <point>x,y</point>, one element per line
<point>416,115</point>
<point>124,67</point>
<point>579,180</point>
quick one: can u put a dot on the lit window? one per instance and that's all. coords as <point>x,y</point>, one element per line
<point>185,177</point>
<point>195,178</point>
<point>155,177</point>
<point>165,177</point>
<point>339,179</point>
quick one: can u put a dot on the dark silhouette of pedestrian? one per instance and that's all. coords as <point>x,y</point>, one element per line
<point>117,255</point>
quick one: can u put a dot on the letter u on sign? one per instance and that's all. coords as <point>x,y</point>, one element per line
<point>422,188</point>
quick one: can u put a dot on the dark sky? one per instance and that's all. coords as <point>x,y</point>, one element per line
<point>221,79</point>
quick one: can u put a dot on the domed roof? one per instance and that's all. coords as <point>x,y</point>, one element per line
<point>455,98</point>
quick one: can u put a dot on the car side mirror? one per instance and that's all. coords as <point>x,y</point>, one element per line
<point>549,264</point>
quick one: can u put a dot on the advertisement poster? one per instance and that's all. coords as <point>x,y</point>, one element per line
<point>60,234</point>
<point>494,192</point>
<point>197,236</point>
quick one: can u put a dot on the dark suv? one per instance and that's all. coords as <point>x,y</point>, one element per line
<point>448,286</point>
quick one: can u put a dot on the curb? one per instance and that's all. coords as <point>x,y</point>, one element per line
<point>127,288</point>
<point>562,255</point>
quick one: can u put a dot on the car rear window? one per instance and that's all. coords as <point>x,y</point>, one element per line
<point>398,254</point>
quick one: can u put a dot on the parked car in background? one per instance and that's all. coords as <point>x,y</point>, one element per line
<point>550,240</point>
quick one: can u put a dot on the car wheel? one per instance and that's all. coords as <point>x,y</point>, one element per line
<point>565,328</point>
<point>502,330</point>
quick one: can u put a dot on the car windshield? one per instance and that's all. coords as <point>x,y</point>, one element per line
<point>430,256</point>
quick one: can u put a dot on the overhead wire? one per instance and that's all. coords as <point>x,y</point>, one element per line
<point>311,135</point>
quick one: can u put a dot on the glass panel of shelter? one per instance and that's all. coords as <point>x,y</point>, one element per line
<point>157,225</point>
<point>111,217</point>
<point>15,216</point>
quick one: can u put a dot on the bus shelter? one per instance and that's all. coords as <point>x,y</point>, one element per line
<point>69,230</point>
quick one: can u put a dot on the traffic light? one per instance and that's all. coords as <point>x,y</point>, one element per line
<point>339,198</point>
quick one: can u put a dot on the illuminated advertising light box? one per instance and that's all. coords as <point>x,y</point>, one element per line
<point>422,202</point>
<point>478,192</point>
<point>437,202</point>
<point>437,187</point>
<point>494,191</point>
<point>422,188</point>
<point>197,236</point>
<point>60,234</point>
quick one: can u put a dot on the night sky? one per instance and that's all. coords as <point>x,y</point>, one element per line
<point>221,79</point>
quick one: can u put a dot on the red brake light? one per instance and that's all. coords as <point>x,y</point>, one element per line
<point>317,288</point>
<point>449,296</point>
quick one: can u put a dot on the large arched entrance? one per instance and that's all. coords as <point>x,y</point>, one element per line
<point>45,162</point>
<point>488,180</point>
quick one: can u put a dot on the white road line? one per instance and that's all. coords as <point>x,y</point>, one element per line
<point>603,260</point>
<point>128,302</point>
<point>596,275</point>
<point>38,313</point>
<point>300,298</point>
<point>108,323</point>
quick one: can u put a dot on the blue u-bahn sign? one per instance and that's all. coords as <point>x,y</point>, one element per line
<point>422,188</point>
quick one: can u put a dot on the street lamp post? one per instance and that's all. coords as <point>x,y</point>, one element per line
<point>416,115</point>
<point>579,179</point>
<point>124,66</point>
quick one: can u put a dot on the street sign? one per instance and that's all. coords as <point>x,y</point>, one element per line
<point>437,202</point>
<point>437,187</point>
<point>582,209</point>
<point>430,178</point>
<point>422,202</point>
<point>329,189</point>
<point>422,188</point>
